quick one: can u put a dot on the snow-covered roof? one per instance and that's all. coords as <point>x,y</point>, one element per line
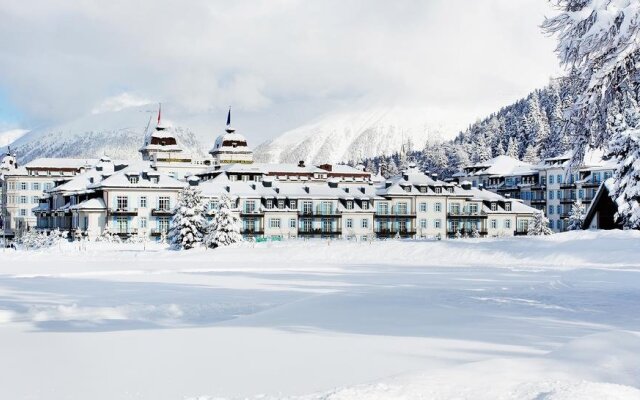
<point>122,178</point>
<point>91,204</point>
<point>74,163</point>
<point>502,166</point>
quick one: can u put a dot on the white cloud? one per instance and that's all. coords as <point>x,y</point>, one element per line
<point>119,102</point>
<point>61,59</point>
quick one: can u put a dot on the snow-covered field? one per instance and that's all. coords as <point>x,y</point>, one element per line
<point>522,318</point>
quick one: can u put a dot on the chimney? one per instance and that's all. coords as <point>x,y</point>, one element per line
<point>466,185</point>
<point>326,167</point>
<point>434,176</point>
<point>301,164</point>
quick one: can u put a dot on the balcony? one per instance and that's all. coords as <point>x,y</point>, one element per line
<point>252,231</point>
<point>467,214</point>
<point>393,231</point>
<point>161,212</point>
<point>538,201</point>
<point>130,212</point>
<point>320,232</point>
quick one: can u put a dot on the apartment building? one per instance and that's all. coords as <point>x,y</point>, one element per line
<point>552,186</point>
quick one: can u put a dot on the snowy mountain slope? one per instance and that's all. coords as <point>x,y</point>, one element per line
<point>345,136</point>
<point>118,134</point>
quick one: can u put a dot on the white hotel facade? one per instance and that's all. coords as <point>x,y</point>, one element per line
<point>272,200</point>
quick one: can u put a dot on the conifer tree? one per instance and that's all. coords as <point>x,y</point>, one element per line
<point>225,227</point>
<point>576,216</point>
<point>540,225</point>
<point>188,223</point>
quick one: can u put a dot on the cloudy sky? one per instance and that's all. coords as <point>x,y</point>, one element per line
<point>281,61</point>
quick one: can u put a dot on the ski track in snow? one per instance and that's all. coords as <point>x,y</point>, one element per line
<point>550,318</point>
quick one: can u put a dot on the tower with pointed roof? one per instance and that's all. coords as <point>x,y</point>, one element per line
<point>231,147</point>
<point>161,145</point>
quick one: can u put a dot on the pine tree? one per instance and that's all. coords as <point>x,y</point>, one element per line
<point>576,216</point>
<point>540,225</point>
<point>188,224</point>
<point>625,146</point>
<point>530,155</point>
<point>513,150</point>
<point>483,152</point>
<point>224,229</point>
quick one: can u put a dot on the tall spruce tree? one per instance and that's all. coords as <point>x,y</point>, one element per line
<point>188,223</point>
<point>225,227</point>
<point>540,225</point>
<point>576,216</point>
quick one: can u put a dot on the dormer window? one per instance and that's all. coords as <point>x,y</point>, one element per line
<point>423,189</point>
<point>269,204</point>
<point>407,189</point>
<point>154,179</point>
<point>507,206</point>
<point>438,190</point>
<point>133,179</point>
<point>494,207</point>
<point>349,205</point>
<point>280,203</point>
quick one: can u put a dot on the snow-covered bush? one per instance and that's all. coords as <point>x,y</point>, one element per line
<point>224,229</point>
<point>540,225</point>
<point>32,239</point>
<point>56,236</point>
<point>188,225</point>
<point>474,232</point>
<point>108,236</point>
<point>577,215</point>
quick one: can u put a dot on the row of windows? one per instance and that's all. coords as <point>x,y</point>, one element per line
<point>424,224</point>
<point>493,223</point>
<point>22,199</point>
<point>25,186</point>
<point>163,202</point>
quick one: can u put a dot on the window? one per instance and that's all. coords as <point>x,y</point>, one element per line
<point>142,222</point>
<point>349,223</point>
<point>581,194</point>
<point>507,206</point>
<point>507,224</point>
<point>438,190</point>
<point>558,209</point>
<point>274,223</point>
<point>122,202</point>
<point>281,204</point>
<point>35,186</point>
<point>143,201</point>
<point>293,204</point>
<point>423,207</point>
<point>154,179</point>
<point>365,205</point>
<point>550,179</point>
<point>163,224</point>
<point>213,205</point>
<point>23,212</point>
<point>550,210</point>
<point>269,204</point>
<point>122,225</point>
<point>551,194</point>
<point>437,223</point>
<point>23,185</point>
<point>438,207</point>
<point>11,186</point>
<point>24,199</point>
<point>307,207</point>
<point>249,206</point>
<point>494,207</point>
<point>48,186</point>
<point>607,175</point>
<point>35,199</point>
<point>133,179</point>
<point>402,208</point>
<point>407,189</point>
<point>559,179</point>
<point>423,189</point>
<point>559,194</point>
<point>365,223</point>
<point>423,224</point>
<point>494,224</point>
<point>383,208</point>
<point>473,208</point>
<point>164,203</point>
<point>349,204</point>
<point>292,223</point>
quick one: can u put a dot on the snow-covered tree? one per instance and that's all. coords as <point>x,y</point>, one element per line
<point>474,231</point>
<point>540,225</point>
<point>225,227</point>
<point>625,185</point>
<point>599,41</point>
<point>576,216</point>
<point>530,155</point>
<point>483,152</point>
<point>513,150</point>
<point>108,236</point>
<point>188,224</point>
